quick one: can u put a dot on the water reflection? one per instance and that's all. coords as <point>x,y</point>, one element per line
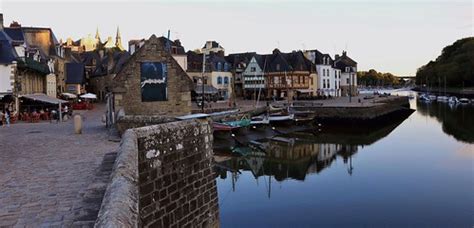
<point>457,120</point>
<point>295,155</point>
<point>404,172</point>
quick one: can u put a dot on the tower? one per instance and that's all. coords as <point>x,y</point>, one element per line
<point>118,40</point>
<point>97,36</point>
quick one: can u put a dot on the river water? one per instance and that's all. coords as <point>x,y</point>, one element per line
<point>415,171</point>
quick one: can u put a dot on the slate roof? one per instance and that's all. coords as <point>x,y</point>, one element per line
<point>15,33</point>
<point>319,57</point>
<point>74,73</point>
<point>214,44</point>
<point>7,53</point>
<point>239,58</point>
<point>345,61</point>
<point>195,61</point>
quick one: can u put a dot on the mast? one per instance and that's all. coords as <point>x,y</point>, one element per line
<point>202,79</point>
<point>260,88</point>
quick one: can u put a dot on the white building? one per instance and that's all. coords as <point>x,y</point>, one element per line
<point>328,78</point>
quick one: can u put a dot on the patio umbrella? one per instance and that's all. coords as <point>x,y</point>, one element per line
<point>89,96</point>
<point>69,95</point>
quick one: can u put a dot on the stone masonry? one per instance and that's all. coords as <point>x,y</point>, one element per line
<point>127,85</point>
<point>163,177</point>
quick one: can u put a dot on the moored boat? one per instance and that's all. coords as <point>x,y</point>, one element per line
<point>260,120</point>
<point>230,125</point>
<point>464,100</point>
<point>453,100</point>
<point>442,99</point>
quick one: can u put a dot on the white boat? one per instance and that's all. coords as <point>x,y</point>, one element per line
<point>280,118</point>
<point>432,97</point>
<point>453,100</point>
<point>464,100</point>
<point>442,99</point>
<point>259,120</point>
<point>424,98</point>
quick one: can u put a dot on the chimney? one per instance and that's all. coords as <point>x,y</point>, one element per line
<point>1,21</point>
<point>337,56</point>
<point>344,53</point>
<point>177,42</point>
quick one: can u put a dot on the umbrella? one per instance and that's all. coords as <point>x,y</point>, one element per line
<point>89,96</point>
<point>69,95</point>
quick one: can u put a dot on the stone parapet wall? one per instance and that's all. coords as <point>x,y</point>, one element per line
<point>176,181</point>
<point>163,177</point>
<point>120,203</point>
<point>126,122</point>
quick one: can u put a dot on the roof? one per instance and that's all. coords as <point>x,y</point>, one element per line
<point>43,98</point>
<point>74,73</point>
<point>7,53</point>
<point>214,44</point>
<point>319,56</point>
<point>15,33</point>
<point>179,49</point>
<point>344,61</point>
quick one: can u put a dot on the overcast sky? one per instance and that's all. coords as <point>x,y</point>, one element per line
<point>389,36</point>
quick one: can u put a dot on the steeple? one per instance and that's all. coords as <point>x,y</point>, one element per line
<point>118,40</point>
<point>97,36</point>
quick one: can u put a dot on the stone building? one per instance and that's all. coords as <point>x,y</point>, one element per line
<point>152,83</point>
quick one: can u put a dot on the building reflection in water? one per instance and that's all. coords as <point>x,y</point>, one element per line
<point>298,154</point>
<point>283,158</point>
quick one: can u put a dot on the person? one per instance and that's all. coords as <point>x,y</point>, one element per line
<point>2,120</point>
<point>7,117</point>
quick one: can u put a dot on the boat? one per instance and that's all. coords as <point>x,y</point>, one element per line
<point>424,98</point>
<point>464,100</point>
<point>230,125</point>
<point>453,100</point>
<point>280,117</point>
<point>442,99</point>
<point>259,120</point>
<point>432,97</point>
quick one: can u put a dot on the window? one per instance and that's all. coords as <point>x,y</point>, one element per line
<point>219,66</point>
<point>226,67</point>
<point>219,80</point>
<point>253,69</point>
<point>347,81</point>
<point>226,80</point>
<point>278,67</point>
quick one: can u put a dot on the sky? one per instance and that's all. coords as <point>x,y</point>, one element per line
<point>385,35</point>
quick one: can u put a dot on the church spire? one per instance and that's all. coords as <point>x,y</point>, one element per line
<point>97,36</point>
<point>118,40</point>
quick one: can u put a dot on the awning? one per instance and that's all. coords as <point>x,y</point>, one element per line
<point>208,89</point>
<point>305,90</point>
<point>43,98</point>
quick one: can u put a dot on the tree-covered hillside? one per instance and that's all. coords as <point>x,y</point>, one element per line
<point>455,65</point>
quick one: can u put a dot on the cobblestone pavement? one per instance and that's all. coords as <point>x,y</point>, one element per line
<point>47,171</point>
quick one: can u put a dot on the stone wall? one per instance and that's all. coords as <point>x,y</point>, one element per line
<point>163,177</point>
<point>127,84</point>
<point>176,181</point>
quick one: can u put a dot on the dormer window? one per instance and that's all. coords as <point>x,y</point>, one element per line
<point>219,66</point>
<point>278,67</point>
